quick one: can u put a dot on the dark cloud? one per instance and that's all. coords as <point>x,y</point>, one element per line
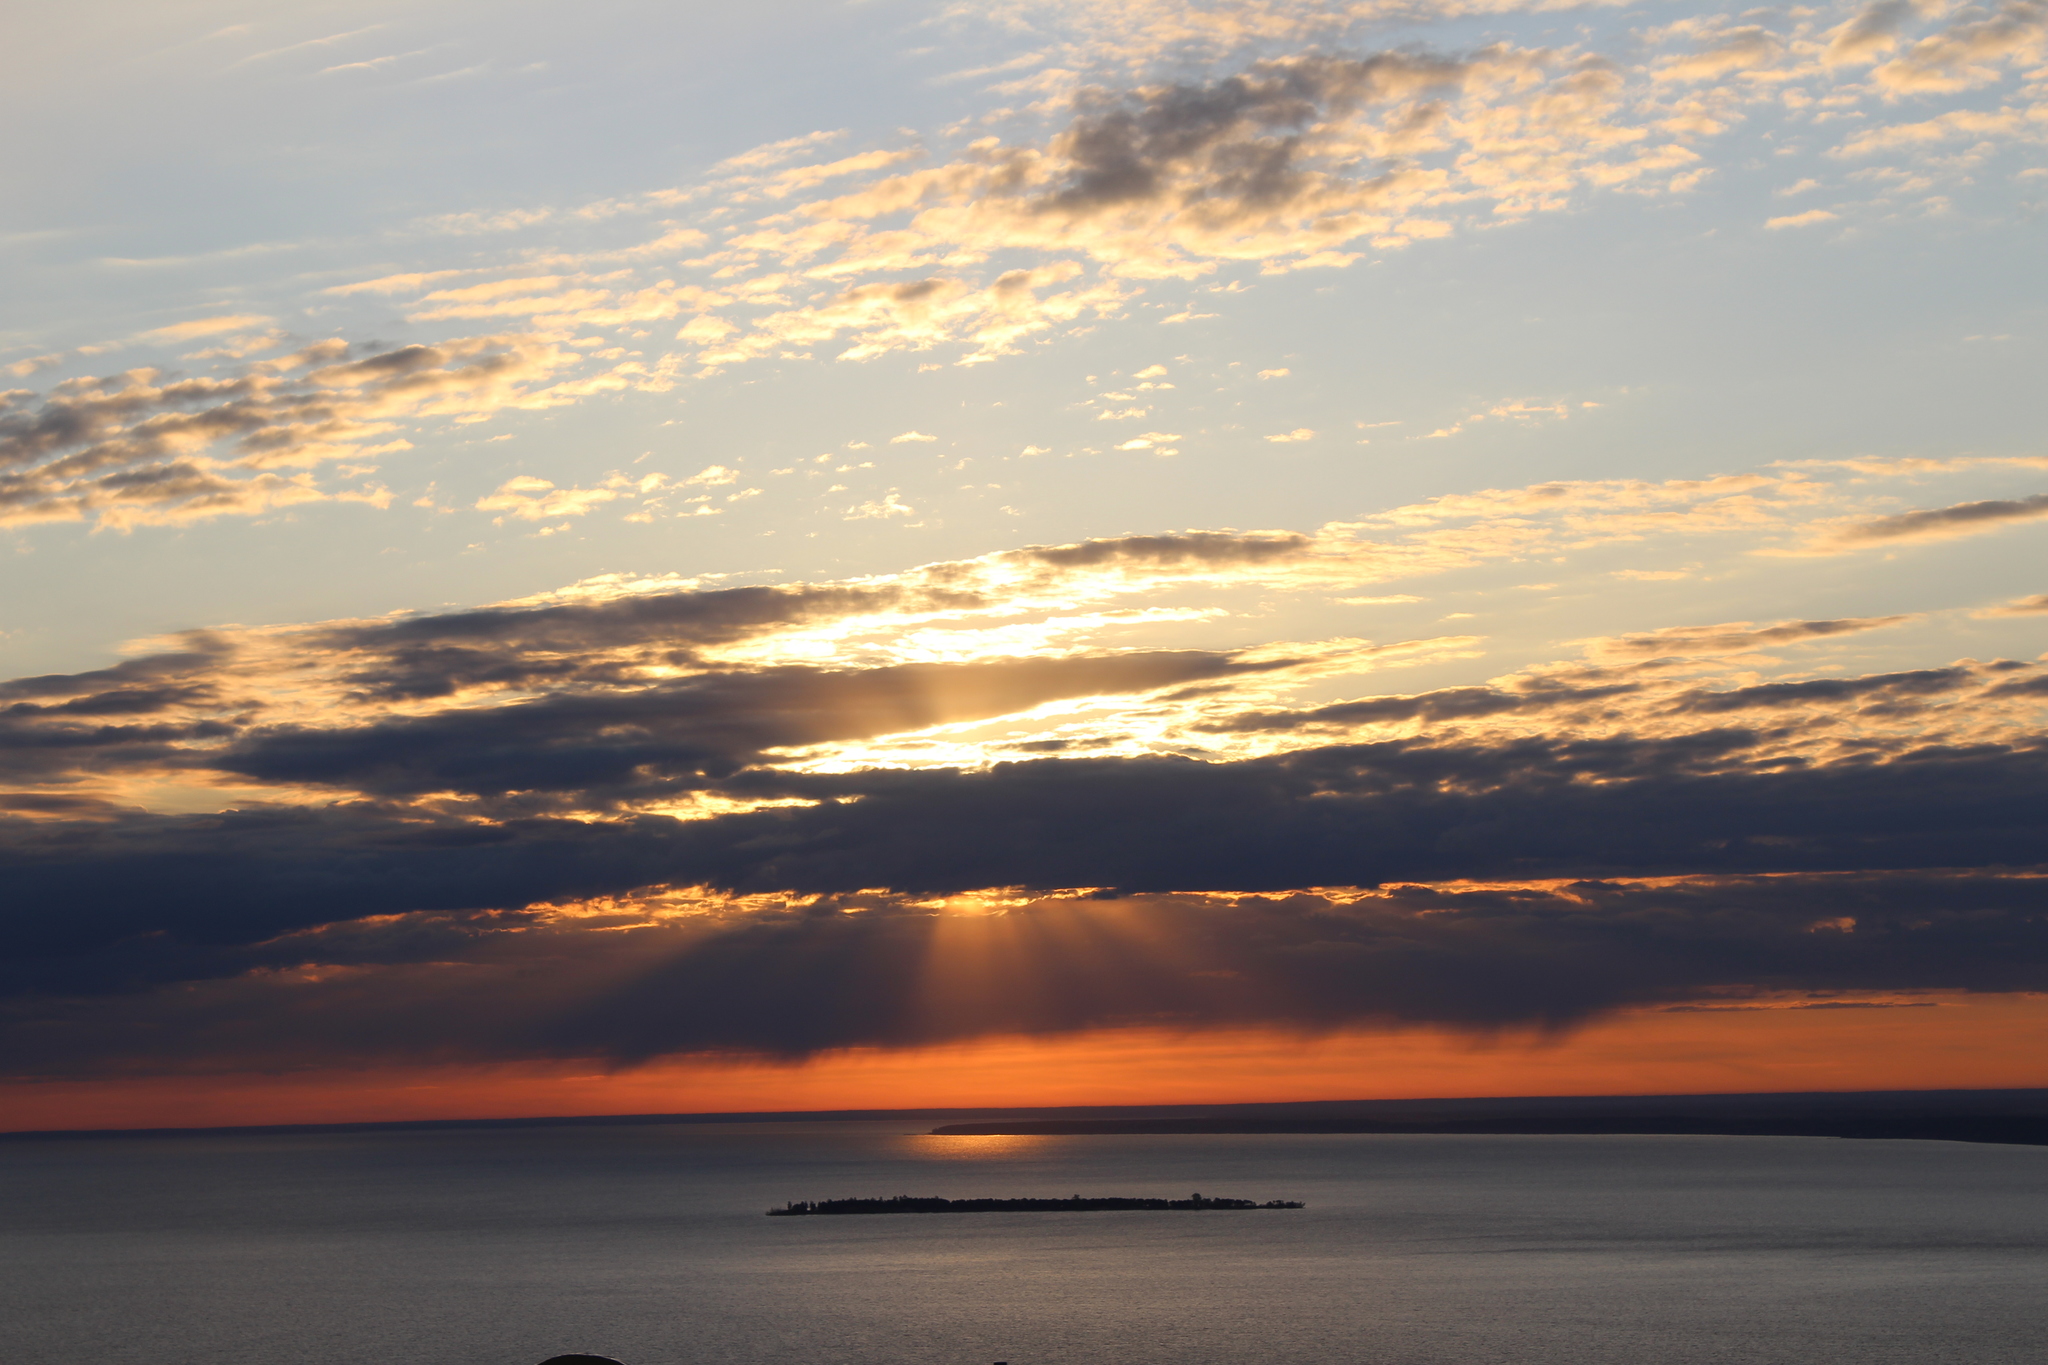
<point>205,651</point>
<point>800,982</point>
<point>1733,637</point>
<point>58,803</point>
<point>671,736</point>
<point>1190,549</point>
<point>1870,30</point>
<point>877,971</point>
<point>1240,138</point>
<point>2021,687</point>
<point>1406,810</point>
<point>121,701</point>
<point>1939,522</point>
<point>248,875</point>
<point>44,752</point>
<point>606,641</point>
<point>402,922</point>
<point>1917,683</point>
<point>1344,815</point>
<point>1448,704</point>
<point>50,729</point>
<point>433,656</point>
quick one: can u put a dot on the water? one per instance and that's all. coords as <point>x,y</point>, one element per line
<point>501,1248</point>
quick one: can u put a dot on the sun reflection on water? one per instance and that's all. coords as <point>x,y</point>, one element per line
<point>989,1147</point>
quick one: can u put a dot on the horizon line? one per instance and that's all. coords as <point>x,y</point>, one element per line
<point>991,1111</point>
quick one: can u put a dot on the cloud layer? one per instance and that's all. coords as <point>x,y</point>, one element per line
<point>645,817</point>
<point>1092,181</point>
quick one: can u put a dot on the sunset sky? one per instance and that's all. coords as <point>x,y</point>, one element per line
<point>647,557</point>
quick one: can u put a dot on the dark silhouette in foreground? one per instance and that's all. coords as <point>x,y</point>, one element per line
<point>579,1360</point>
<point>904,1203</point>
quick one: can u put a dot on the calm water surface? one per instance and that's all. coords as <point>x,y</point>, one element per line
<point>648,1244</point>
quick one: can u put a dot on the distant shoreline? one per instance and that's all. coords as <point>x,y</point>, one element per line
<point>2010,1129</point>
<point>1768,1113</point>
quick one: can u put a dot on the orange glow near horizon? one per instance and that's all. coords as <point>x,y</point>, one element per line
<point>1960,1042</point>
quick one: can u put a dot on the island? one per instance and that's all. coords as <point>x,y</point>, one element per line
<point>904,1203</point>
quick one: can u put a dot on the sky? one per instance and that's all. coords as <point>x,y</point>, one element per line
<point>640,557</point>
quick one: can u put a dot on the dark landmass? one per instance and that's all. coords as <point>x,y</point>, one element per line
<point>904,1203</point>
<point>2023,1129</point>
<point>2019,1107</point>
<point>487,1125</point>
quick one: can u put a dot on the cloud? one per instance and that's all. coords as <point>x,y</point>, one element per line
<point>1266,147</point>
<point>1732,637</point>
<point>1021,62</point>
<point>663,739</point>
<point>1526,412</point>
<point>1375,813</point>
<point>1810,218</point>
<point>205,327</point>
<point>1280,162</point>
<point>774,153</point>
<point>241,347</point>
<point>705,329</point>
<point>650,815</point>
<point>1431,708</point>
<point>374,63</point>
<point>618,632</point>
<point>891,505</point>
<point>795,178</point>
<point>2019,606</point>
<point>1942,523</point>
<point>642,816</point>
<point>791,980</point>
<point>532,499</point>
<point>621,631</point>
<point>1971,51</point>
<point>1890,686</point>
<point>1298,434</point>
<point>579,639</point>
<point>1610,774</point>
<point>395,284</point>
<point>1150,439</point>
<point>878,969</point>
<point>142,447</point>
<point>1872,31</point>
<point>910,436</point>
<point>497,647</point>
<point>327,41</point>
<point>1162,179</point>
<point>916,315</point>
<point>2030,123</point>
<point>1257,153</point>
<point>1741,49</point>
